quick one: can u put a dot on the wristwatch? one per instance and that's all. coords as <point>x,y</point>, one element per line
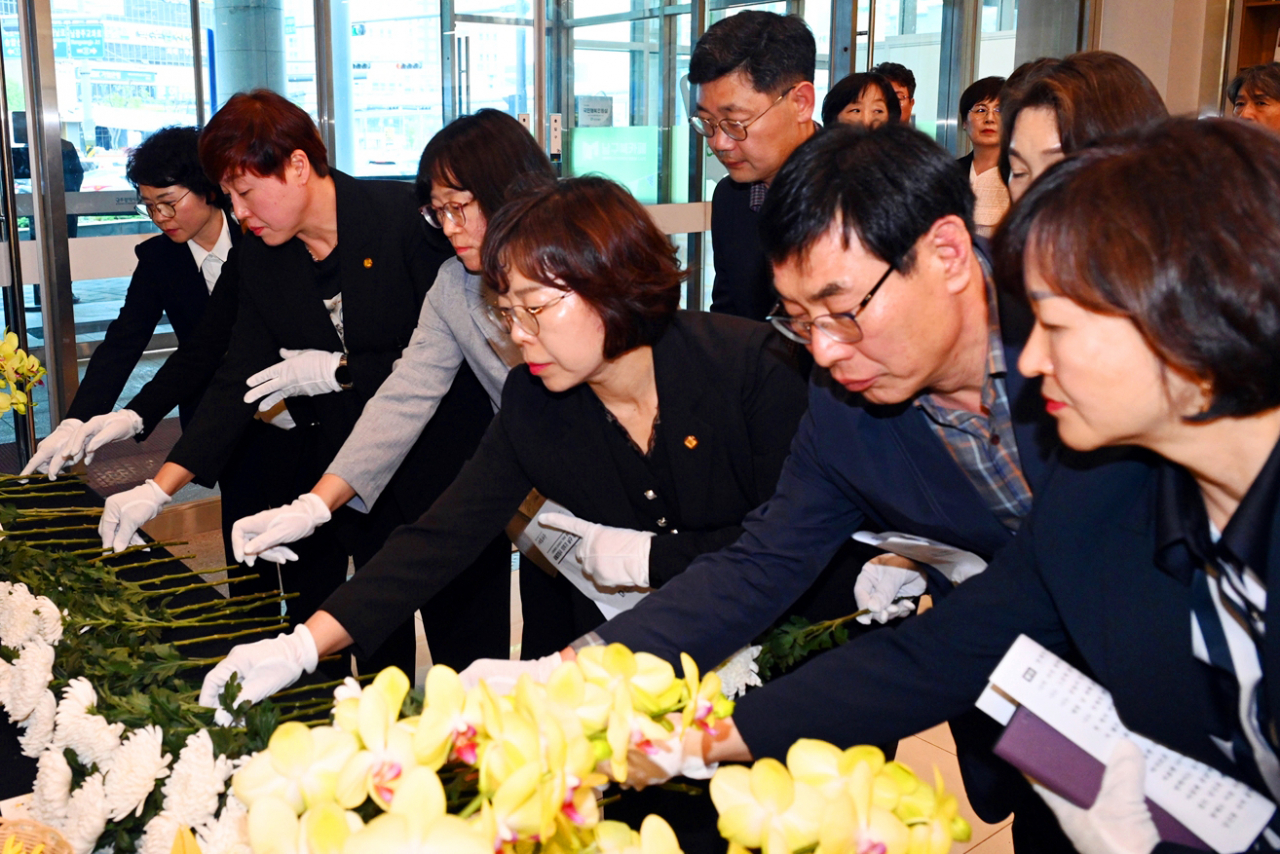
<point>343,374</point>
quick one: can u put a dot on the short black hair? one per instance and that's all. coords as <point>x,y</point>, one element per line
<point>773,51</point>
<point>851,88</point>
<point>898,73</point>
<point>885,187</point>
<point>169,157</point>
<point>1258,80</point>
<point>489,155</point>
<point>986,89</point>
<point>1140,226</point>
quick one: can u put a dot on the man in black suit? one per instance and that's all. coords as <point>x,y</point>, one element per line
<point>754,104</point>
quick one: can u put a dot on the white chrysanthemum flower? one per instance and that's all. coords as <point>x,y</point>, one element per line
<point>229,834</point>
<point>135,767</point>
<point>89,735</point>
<point>50,620</point>
<point>191,792</point>
<point>52,790</point>
<point>32,673</point>
<point>349,690</point>
<point>39,726</point>
<point>158,835</point>
<point>19,622</point>
<point>740,672</point>
<point>87,815</point>
<point>6,676</point>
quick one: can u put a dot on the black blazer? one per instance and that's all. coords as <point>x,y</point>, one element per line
<point>964,164</point>
<point>386,265</point>
<point>1082,579</point>
<point>165,281</point>
<point>729,396</point>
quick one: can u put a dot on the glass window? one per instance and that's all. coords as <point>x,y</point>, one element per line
<point>998,37</point>
<point>909,32</point>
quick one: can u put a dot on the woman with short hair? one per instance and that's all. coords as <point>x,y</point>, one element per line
<point>863,98</point>
<point>1053,107</point>
<point>980,117</point>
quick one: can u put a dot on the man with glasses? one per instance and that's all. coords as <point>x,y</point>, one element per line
<point>753,102</point>
<point>904,85</point>
<point>918,422</point>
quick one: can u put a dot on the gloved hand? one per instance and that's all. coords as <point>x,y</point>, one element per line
<point>301,373</point>
<point>261,535</point>
<point>264,667</point>
<point>613,557</point>
<point>55,450</point>
<point>128,511</point>
<point>1119,821</point>
<point>501,675</point>
<point>884,579</point>
<point>678,756</point>
<point>104,429</point>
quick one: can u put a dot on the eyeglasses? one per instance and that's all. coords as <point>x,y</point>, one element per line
<point>166,210</point>
<point>842,328</point>
<point>452,211</point>
<point>983,109</point>
<point>524,316</point>
<point>732,129</point>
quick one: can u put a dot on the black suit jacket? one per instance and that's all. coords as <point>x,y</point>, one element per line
<point>964,164</point>
<point>743,283</point>
<point>387,263</point>
<point>1082,579</point>
<point>165,281</point>
<point>729,396</point>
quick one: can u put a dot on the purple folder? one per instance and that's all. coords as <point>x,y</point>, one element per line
<point>1060,765</point>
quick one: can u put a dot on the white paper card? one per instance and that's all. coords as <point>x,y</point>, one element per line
<point>16,807</point>
<point>956,564</point>
<point>1225,813</point>
<point>561,548</point>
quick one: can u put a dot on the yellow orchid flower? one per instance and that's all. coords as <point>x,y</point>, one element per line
<point>651,680</point>
<point>273,827</point>
<point>570,695</point>
<point>655,837</point>
<point>300,766</point>
<point>706,701</point>
<point>448,724</point>
<point>377,770</point>
<point>326,827</point>
<point>829,769</point>
<point>762,807</point>
<point>520,810</point>
<point>844,829</point>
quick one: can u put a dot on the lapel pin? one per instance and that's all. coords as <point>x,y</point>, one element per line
<point>368,262</point>
<point>691,442</point>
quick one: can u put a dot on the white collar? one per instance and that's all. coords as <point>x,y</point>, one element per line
<point>221,248</point>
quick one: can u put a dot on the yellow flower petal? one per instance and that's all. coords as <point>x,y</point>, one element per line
<point>657,837</point>
<point>325,828</point>
<point>273,827</point>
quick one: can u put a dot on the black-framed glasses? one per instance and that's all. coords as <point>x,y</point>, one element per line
<point>166,210</point>
<point>732,129</point>
<point>451,211</point>
<point>842,328</point>
<point>983,109</point>
<point>524,316</point>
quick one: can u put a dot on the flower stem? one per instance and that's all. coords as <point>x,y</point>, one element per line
<point>145,547</point>
<point>470,808</point>
<point>251,598</point>
<point>231,635</point>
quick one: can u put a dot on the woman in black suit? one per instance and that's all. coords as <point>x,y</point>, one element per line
<point>332,276</point>
<point>658,430</point>
<point>175,276</point>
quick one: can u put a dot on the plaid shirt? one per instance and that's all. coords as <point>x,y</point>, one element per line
<point>983,445</point>
<point>758,191</point>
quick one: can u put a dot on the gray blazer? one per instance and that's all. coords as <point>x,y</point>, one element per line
<point>452,326</point>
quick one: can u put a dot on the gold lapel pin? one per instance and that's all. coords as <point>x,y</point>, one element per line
<point>368,262</point>
<point>691,442</point>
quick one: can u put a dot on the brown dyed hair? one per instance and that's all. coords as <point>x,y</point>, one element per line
<point>256,132</point>
<point>1160,226</point>
<point>1092,94</point>
<point>590,236</point>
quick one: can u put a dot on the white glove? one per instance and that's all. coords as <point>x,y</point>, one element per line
<point>104,429</point>
<point>261,535</point>
<point>501,674</point>
<point>613,557</point>
<point>128,511</point>
<point>264,667</point>
<point>882,580</point>
<point>1119,821</point>
<point>678,756</point>
<point>302,373</point>
<point>55,450</point>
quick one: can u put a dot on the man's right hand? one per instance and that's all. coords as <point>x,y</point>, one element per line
<point>883,580</point>
<point>103,429</point>
<point>55,450</point>
<point>264,667</point>
<point>263,535</point>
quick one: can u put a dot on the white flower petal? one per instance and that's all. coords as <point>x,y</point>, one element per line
<point>191,792</point>
<point>158,835</point>
<point>38,727</point>
<point>229,834</point>
<point>135,767</point>
<point>32,673</point>
<point>740,672</point>
<point>52,790</point>
<point>87,815</point>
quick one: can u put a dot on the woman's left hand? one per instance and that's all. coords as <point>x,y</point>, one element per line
<point>300,373</point>
<point>613,557</point>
